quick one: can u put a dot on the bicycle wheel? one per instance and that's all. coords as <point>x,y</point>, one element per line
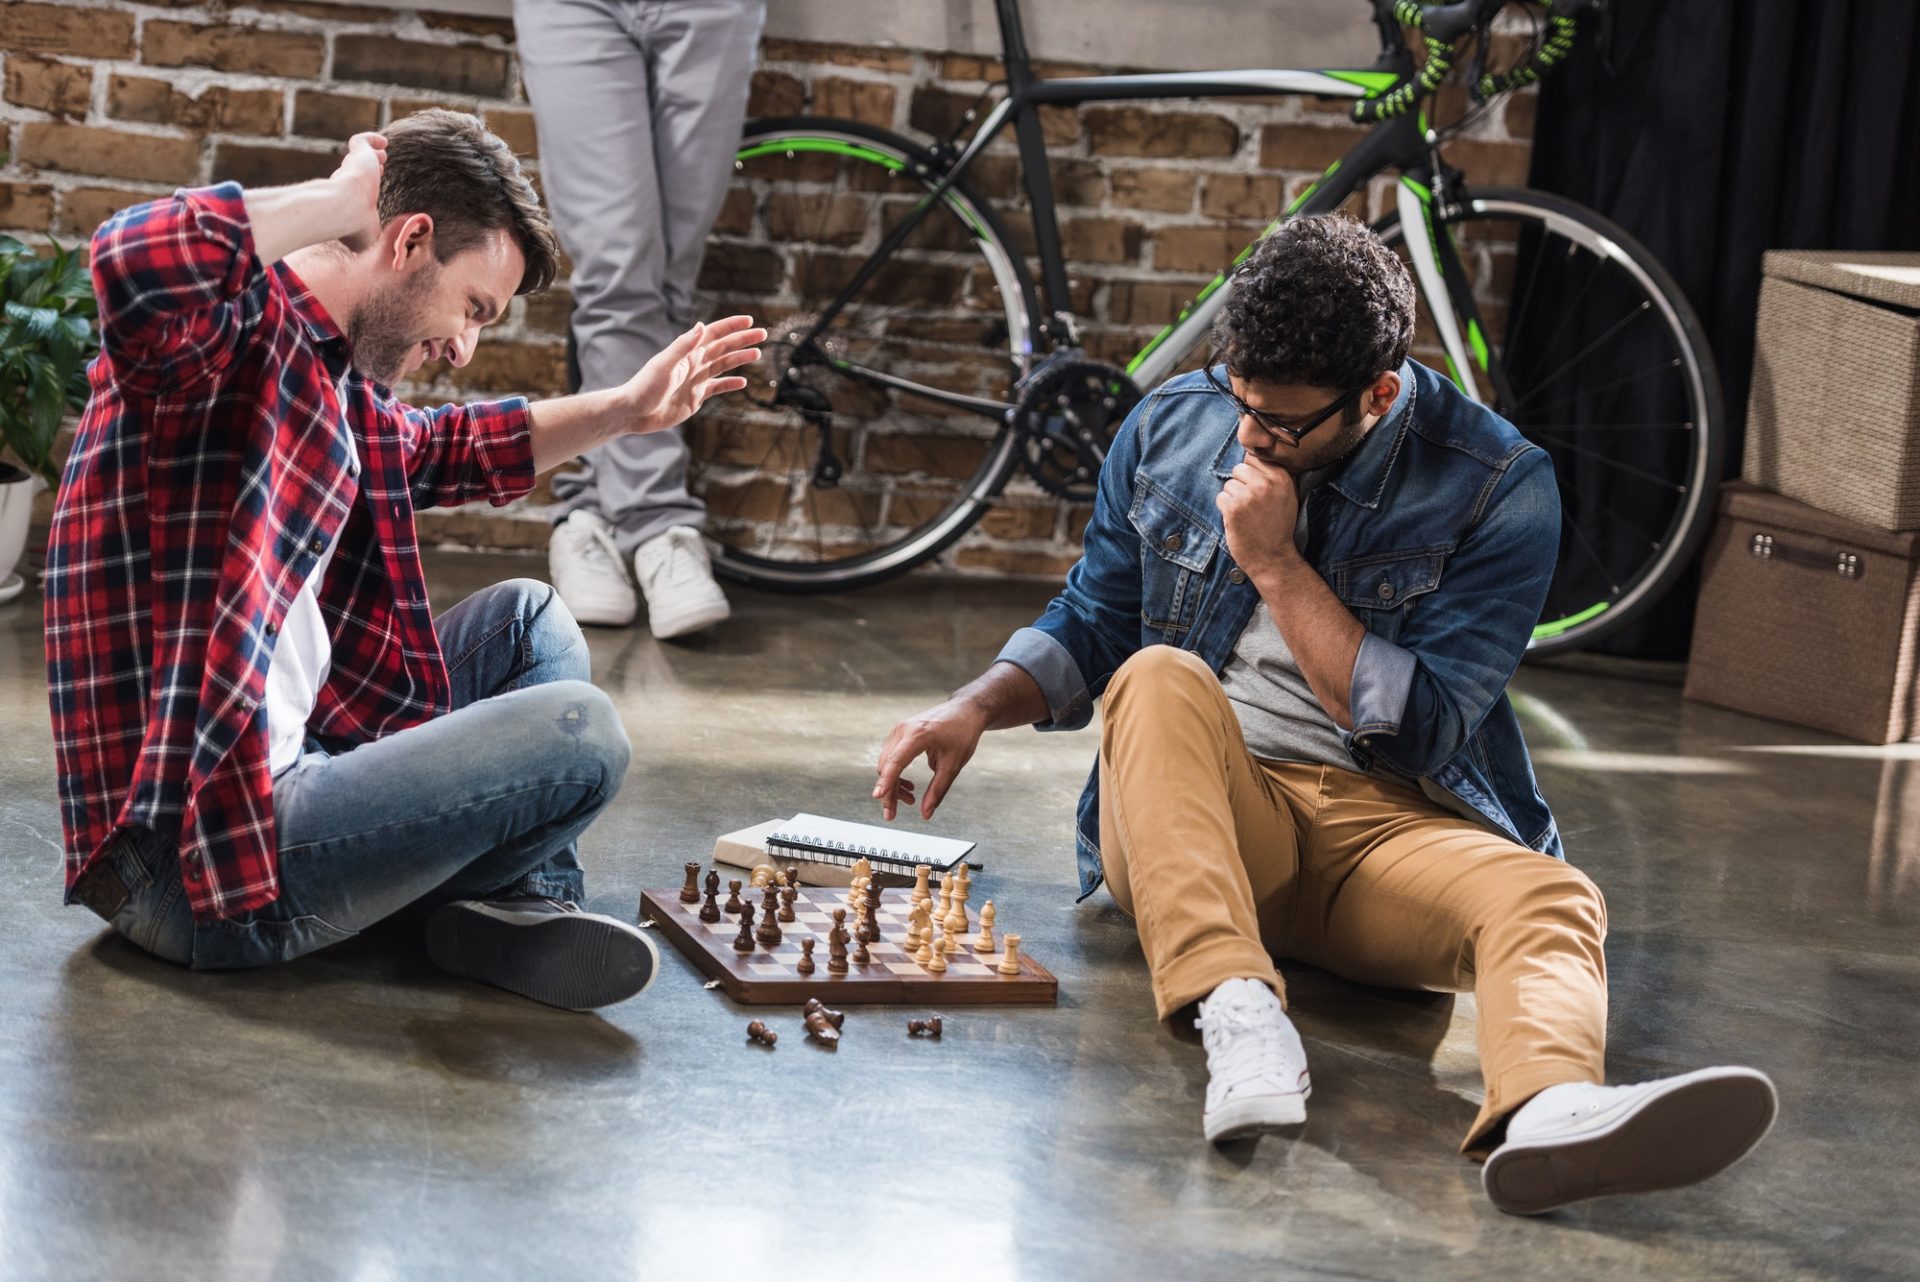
<point>823,475</point>
<point>1588,346</point>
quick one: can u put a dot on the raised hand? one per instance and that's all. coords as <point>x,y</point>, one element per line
<point>691,369</point>
<point>358,182</point>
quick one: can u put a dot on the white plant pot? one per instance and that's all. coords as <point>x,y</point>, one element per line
<point>16,510</point>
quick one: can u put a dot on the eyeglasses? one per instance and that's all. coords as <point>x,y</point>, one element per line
<point>1270,424</point>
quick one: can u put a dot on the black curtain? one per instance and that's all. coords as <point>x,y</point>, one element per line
<point>1713,130</point>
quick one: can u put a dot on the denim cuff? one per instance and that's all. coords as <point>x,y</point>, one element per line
<point>1044,659</point>
<point>567,885</point>
<point>1377,696</point>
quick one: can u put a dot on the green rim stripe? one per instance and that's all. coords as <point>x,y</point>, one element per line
<point>1479,343</point>
<point>1372,81</point>
<point>1554,629</point>
<point>835,147</point>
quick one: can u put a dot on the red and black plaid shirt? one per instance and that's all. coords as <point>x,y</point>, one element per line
<point>210,471</point>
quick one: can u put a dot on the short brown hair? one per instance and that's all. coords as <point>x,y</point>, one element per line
<point>447,165</point>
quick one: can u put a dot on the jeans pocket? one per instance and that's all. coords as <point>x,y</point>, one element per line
<point>260,941</point>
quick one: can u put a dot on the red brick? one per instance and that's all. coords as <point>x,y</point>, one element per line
<point>876,59</point>
<point>1489,163</point>
<point>1007,522</point>
<point>1015,563</point>
<point>1298,146</point>
<point>308,9</point>
<point>958,457</point>
<point>967,66</point>
<point>1243,196</point>
<point>1078,182</point>
<point>218,108</point>
<point>1100,240</point>
<point>468,24</point>
<point>83,31</point>
<point>1134,131</point>
<point>1143,302</point>
<point>482,527</point>
<point>863,100</point>
<point>83,209</point>
<point>264,166</point>
<point>318,114</point>
<point>85,149</point>
<point>1166,190</point>
<point>59,88</point>
<point>1520,111</point>
<point>230,48</point>
<point>531,369</point>
<point>516,128</point>
<point>817,219</point>
<point>549,312</point>
<point>459,69</point>
<point>941,112</point>
<point>736,213</point>
<point>1201,249</point>
<point>775,93</point>
<point>1060,126</point>
<point>27,206</point>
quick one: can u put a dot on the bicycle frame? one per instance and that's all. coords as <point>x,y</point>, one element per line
<point>1401,142</point>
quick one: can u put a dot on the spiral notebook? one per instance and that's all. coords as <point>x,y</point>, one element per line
<point>826,849</point>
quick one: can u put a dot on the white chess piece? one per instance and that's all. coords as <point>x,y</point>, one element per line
<point>920,892</point>
<point>1010,964</point>
<point>984,944</point>
<point>937,962</point>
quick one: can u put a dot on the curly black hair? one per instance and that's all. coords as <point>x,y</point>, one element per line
<point>1321,301</point>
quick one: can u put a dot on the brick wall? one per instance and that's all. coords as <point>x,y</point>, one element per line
<point>107,104</point>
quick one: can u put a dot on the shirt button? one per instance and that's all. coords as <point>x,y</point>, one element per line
<point>1237,575</point>
<point>273,629</point>
<point>1385,590</point>
<point>353,469</point>
<point>316,545</point>
<point>1173,543</point>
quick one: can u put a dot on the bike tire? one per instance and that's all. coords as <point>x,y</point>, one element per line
<point>784,157</point>
<point>1694,472</point>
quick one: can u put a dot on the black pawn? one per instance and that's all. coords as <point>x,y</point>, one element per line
<point>769,933</point>
<point>710,911</point>
<point>743,942</point>
<point>733,895</point>
<point>870,924</point>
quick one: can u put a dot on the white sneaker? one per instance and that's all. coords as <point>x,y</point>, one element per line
<point>1578,1140</point>
<point>588,571</point>
<point>676,575</point>
<point>1256,1068</point>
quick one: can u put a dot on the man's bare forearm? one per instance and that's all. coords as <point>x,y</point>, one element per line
<point>1005,696</point>
<point>1322,633</point>
<point>567,426</point>
<point>288,218</point>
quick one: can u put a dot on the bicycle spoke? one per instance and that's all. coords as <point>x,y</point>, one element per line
<point>1593,391</point>
<point>1617,465</point>
<point>1585,542</point>
<point>1595,345</point>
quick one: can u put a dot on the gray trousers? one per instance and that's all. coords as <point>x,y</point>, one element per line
<point>639,105</point>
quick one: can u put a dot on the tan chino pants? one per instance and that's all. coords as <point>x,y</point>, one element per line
<point>1226,861</point>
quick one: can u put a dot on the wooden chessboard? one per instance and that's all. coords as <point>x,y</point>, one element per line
<point>766,976</point>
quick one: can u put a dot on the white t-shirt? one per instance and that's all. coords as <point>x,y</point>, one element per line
<point>301,660</point>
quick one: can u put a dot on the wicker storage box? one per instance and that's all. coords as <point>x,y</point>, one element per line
<point>1834,416</point>
<point>1809,618</point>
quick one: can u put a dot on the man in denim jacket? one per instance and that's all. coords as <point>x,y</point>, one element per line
<point>1311,570</point>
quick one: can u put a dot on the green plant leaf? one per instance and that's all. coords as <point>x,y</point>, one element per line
<point>35,324</point>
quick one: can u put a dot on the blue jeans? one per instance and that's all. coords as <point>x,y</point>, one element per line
<point>487,800</point>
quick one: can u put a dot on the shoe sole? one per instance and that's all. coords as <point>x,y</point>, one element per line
<point>681,624</point>
<point>1261,1115</point>
<point>1698,1126</point>
<point>573,961</point>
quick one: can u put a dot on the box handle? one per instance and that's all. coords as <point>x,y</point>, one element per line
<point>1846,564</point>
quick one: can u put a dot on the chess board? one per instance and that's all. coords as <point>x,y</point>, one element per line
<point>766,976</point>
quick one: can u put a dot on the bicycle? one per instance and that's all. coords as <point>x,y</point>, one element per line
<point>913,368</point>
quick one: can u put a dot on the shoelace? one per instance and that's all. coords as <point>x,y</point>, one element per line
<point>601,551</point>
<point>682,561</point>
<point>1237,1038</point>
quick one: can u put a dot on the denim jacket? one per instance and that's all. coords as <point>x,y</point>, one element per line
<point>1439,533</point>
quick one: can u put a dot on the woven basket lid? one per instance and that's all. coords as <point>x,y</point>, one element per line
<point>1881,278</point>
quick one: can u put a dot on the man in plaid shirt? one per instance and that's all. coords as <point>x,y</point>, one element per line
<point>265,741</point>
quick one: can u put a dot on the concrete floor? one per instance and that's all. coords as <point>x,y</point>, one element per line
<point>357,1116</point>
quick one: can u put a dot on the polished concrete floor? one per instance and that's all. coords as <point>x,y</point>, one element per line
<point>357,1116</point>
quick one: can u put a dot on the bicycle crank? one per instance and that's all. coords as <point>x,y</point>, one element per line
<point>1069,409</point>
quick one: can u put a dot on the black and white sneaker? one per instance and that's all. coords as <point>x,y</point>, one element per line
<point>544,949</point>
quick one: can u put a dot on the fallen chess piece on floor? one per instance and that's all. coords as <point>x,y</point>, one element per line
<point>823,1023</point>
<point>759,1032</point>
<point>929,1026</point>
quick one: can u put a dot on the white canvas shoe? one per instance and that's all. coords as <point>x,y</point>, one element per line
<point>675,574</point>
<point>1256,1067</point>
<point>1578,1140</point>
<point>589,573</point>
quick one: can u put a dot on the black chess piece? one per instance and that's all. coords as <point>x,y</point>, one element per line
<point>769,933</point>
<point>733,904</point>
<point>743,942</point>
<point>710,911</point>
<point>860,953</point>
<point>837,943</point>
<point>870,925</point>
<point>787,897</point>
<point>805,964</point>
<point>690,893</point>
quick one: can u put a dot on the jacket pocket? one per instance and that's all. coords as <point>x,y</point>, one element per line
<point>1381,589</point>
<point>1175,549</point>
